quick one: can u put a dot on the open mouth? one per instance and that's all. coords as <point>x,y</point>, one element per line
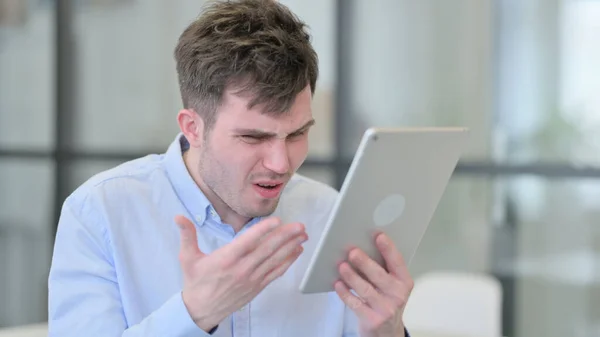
<point>269,187</point>
<point>268,190</point>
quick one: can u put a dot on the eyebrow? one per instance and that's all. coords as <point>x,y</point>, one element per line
<point>260,133</point>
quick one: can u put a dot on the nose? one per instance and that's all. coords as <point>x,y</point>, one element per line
<point>277,158</point>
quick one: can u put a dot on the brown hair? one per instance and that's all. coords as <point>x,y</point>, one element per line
<point>257,47</point>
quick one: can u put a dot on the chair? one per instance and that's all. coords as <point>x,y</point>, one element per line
<point>455,303</point>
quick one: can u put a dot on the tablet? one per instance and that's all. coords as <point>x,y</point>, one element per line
<point>394,185</point>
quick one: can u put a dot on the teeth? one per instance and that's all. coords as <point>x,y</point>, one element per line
<point>265,185</point>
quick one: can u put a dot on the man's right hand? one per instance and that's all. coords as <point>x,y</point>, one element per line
<point>217,284</point>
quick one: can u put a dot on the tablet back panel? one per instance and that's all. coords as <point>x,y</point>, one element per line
<point>394,185</point>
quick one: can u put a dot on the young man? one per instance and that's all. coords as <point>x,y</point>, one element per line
<point>232,264</point>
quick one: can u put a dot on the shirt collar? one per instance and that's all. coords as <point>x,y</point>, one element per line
<point>186,188</point>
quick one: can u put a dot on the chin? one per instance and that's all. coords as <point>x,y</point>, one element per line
<point>265,208</point>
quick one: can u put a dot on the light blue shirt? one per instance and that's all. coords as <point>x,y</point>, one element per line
<point>115,269</point>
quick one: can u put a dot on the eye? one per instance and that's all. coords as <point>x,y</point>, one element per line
<point>252,139</point>
<point>298,134</point>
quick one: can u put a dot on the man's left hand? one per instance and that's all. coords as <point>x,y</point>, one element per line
<point>381,293</point>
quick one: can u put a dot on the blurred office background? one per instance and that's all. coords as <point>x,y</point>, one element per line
<point>87,84</point>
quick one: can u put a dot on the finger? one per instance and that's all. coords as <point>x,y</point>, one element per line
<point>362,287</point>
<point>370,269</point>
<point>393,259</point>
<point>354,303</point>
<point>282,268</point>
<point>248,241</point>
<point>279,256</point>
<point>274,241</point>
<point>189,249</point>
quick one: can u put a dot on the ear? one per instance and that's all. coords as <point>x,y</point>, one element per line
<point>192,126</point>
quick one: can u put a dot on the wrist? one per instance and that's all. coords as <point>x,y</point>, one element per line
<point>203,320</point>
<point>396,331</point>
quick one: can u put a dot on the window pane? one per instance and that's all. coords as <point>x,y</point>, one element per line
<point>428,65</point>
<point>541,234</point>
<point>128,96</point>
<point>26,74</point>
<point>557,248</point>
<point>127,80</point>
<point>26,213</point>
<point>548,75</point>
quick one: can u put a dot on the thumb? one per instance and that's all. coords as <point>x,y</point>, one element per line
<point>189,240</point>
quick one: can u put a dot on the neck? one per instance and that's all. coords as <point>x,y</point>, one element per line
<point>227,215</point>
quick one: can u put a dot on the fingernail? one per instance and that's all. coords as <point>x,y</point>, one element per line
<point>302,238</point>
<point>383,241</point>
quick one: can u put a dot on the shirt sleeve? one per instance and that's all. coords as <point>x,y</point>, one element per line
<point>83,291</point>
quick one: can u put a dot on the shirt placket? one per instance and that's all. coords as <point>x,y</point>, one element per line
<point>241,322</point>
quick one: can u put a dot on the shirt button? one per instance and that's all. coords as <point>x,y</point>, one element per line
<point>198,219</point>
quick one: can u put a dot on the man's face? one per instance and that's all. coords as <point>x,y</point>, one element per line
<point>248,157</point>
